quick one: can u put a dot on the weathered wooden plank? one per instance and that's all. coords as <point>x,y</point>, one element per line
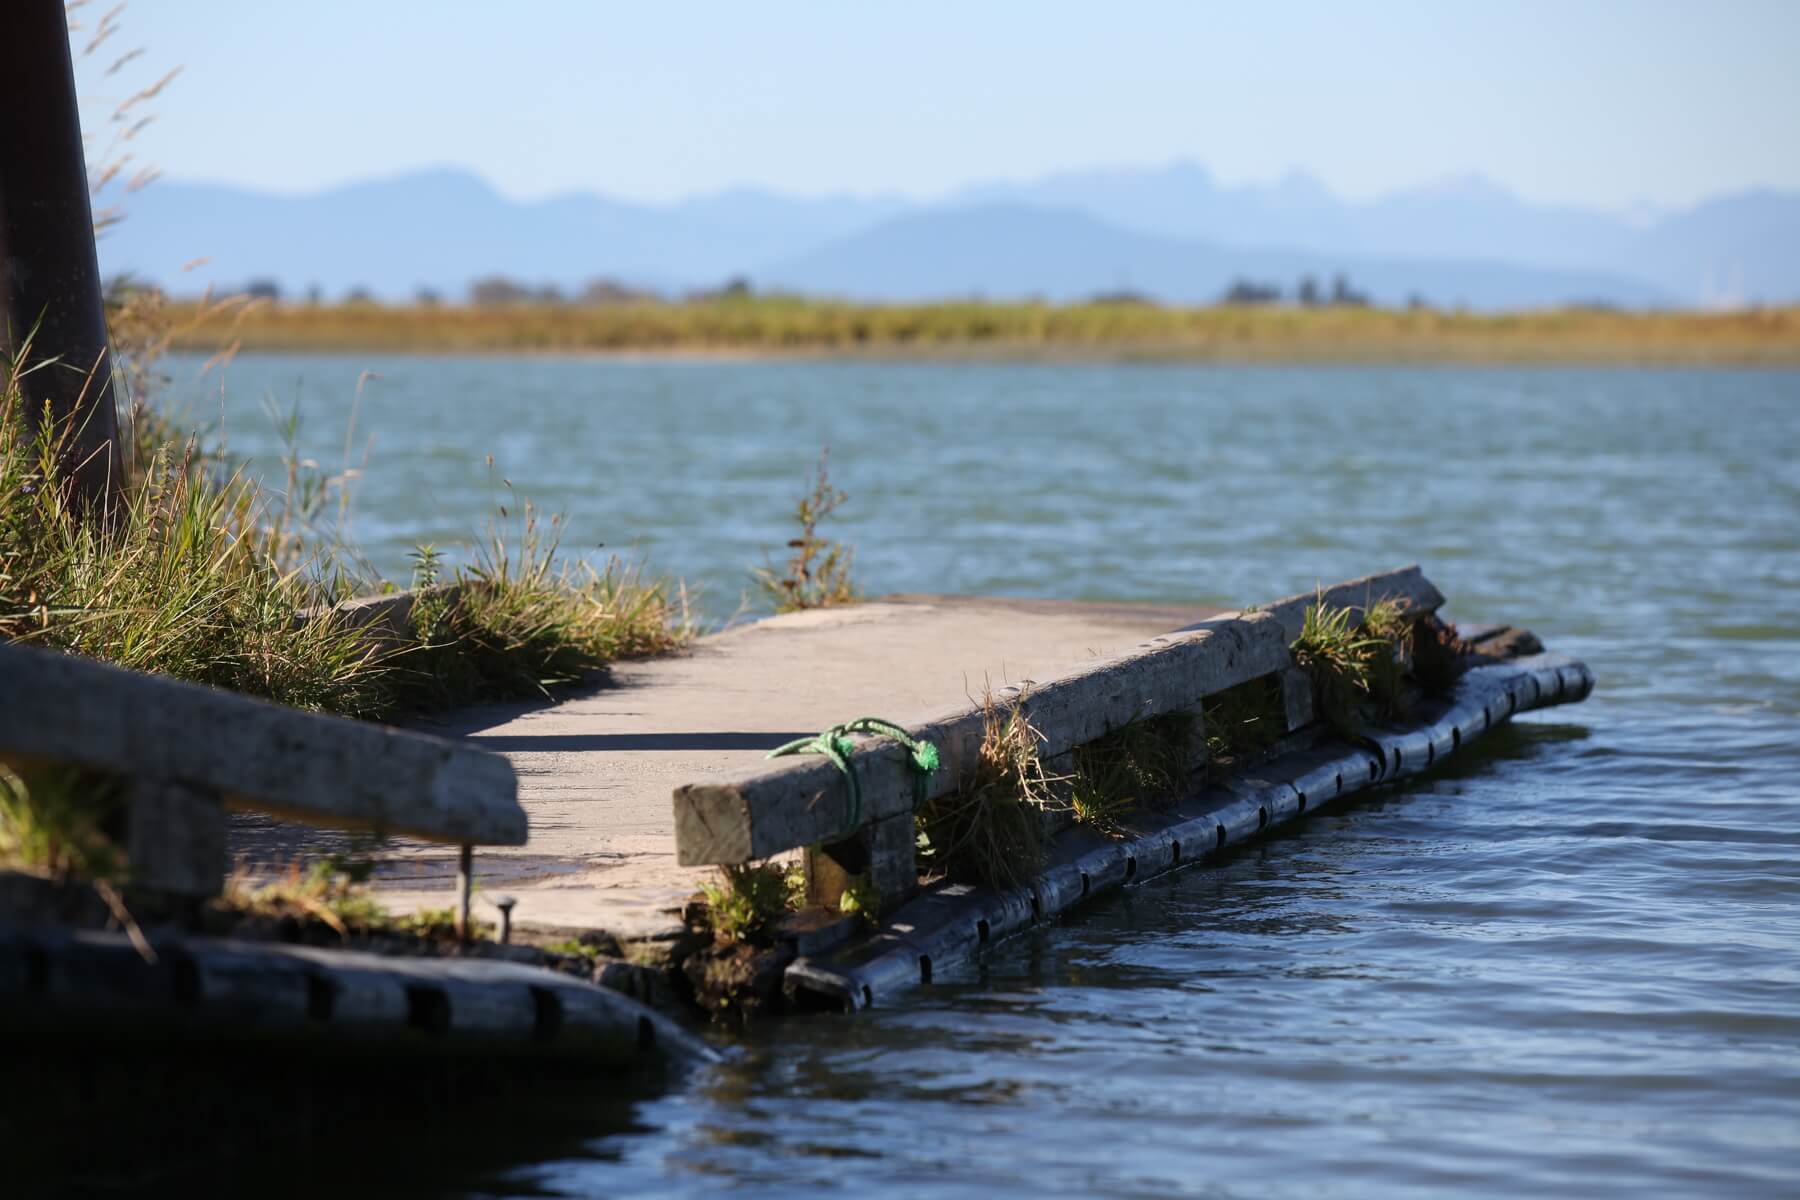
<point>801,801</point>
<point>1406,587</point>
<point>325,770</point>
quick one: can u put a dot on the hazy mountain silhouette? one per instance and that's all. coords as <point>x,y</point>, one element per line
<point>1060,254</point>
<point>1172,231</point>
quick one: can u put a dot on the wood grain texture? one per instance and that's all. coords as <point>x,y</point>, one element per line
<point>323,770</point>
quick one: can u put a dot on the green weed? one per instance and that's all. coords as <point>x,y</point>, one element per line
<point>746,900</point>
<point>817,574</point>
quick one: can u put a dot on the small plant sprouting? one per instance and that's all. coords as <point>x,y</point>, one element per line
<point>861,899</point>
<point>748,898</point>
<point>818,571</point>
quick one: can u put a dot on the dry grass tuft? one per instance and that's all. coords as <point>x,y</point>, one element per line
<point>990,830</point>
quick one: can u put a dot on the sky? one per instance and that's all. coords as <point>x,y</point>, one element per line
<point>1606,104</point>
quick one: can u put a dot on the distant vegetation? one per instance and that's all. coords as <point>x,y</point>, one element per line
<point>1258,323</point>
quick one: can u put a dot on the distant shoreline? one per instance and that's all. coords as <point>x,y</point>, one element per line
<point>780,328</point>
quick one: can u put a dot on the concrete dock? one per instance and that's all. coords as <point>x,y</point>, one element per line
<point>597,768</point>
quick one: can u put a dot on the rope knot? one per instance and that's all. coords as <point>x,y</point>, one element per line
<point>837,745</point>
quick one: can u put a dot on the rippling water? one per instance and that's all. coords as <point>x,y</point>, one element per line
<point>1568,963</point>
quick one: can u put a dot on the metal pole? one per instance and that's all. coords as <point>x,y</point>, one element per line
<point>465,887</point>
<point>49,271</point>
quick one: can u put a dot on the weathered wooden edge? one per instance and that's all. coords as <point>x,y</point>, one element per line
<point>63,708</point>
<point>951,923</point>
<point>765,809</point>
<point>769,808</point>
<point>221,989</point>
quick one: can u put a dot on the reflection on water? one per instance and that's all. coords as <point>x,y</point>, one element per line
<point>1565,964</point>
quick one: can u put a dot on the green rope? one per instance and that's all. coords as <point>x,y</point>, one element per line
<point>835,744</point>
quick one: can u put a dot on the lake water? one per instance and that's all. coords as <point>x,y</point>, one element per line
<point>1568,964</point>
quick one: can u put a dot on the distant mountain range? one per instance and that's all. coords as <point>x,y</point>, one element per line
<point>1169,232</point>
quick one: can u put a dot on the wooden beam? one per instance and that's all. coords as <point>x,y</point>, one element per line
<point>802,801</point>
<point>62,708</point>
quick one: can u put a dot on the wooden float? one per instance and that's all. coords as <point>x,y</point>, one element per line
<point>803,803</point>
<point>56,981</point>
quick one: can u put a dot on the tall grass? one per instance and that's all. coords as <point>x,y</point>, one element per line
<point>193,576</point>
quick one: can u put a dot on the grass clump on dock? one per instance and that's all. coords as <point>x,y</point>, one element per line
<point>1142,764</point>
<point>990,829</point>
<point>1357,668</point>
<point>519,622</point>
<point>817,574</point>
<point>747,899</point>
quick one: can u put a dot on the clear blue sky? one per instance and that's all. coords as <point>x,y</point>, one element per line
<point>1601,103</point>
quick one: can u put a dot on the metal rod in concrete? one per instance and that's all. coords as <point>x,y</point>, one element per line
<point>465,888</point>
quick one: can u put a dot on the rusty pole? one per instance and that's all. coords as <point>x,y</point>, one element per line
<point>49,271</point>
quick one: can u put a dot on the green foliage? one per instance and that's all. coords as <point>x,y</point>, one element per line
<point>990,830</point>
<point>1357,667</point>
<point>818,571</point>
<point>746,900</point>
<point>187,579</point>
<point>519,621</point>
<point>860,898</point>
<point>574,948</point>
<point>1144,763</point>
<point>62,822</point>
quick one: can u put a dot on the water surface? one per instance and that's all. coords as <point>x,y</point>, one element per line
<point>1567,964</point>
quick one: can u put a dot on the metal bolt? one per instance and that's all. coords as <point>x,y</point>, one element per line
<point>505,905</point>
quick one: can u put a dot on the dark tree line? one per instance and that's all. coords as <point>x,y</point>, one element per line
<point>1307,293</point>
